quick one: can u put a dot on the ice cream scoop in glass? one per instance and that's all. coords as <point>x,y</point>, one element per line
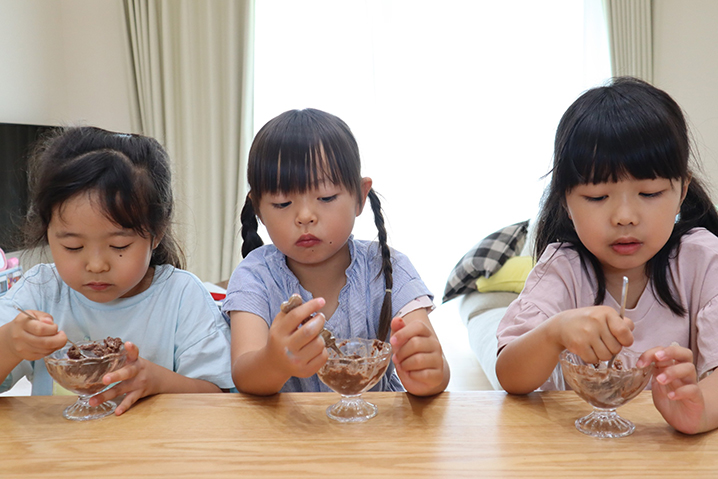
<point>363,363</point>
<point>606,388</point>
<point>83,377</point>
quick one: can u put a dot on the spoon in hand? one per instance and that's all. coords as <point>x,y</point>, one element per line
<point>624,292</point>
<point>84,353</point>
<point>329,340</point>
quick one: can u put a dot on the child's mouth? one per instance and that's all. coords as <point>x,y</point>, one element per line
<point>626,248</point>
<point>307,241</point>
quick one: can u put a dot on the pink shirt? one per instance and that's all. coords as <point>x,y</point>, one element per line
<point>559,282</point>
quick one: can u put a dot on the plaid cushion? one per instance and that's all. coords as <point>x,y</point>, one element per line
<point>485,258</point>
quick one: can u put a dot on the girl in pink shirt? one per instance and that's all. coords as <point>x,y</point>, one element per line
<point>623,201</point>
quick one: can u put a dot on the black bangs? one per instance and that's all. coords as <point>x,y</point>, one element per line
<point>124,192</point>
<point>613,134</point>
<point>300,149</point>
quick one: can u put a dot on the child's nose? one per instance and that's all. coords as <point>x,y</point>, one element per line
<point>306,216</point>
<point>306,219</point>
<point>625,214</point>
<point>97,263</point>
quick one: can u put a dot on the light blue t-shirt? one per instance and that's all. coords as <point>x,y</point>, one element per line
<point>174,323</point>
<point>262,281</point>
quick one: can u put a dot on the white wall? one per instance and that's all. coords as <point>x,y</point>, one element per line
<point>685,36</point>
<point>65,62</point>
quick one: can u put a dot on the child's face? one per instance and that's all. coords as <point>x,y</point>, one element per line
<point>95,256</point>
<point>312,227</point>
<point>624,224</point>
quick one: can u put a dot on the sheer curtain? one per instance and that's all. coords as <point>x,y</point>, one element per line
<point>192,63</point>
<point>631,37</point>
<point>454,103</point>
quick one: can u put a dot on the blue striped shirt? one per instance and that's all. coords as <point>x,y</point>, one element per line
<point>262,281</point>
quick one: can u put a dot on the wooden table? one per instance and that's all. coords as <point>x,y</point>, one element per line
<point>454,434</point>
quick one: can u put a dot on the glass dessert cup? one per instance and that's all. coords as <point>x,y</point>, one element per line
<point>362,366</point>
<point>84,378</point>
<point>606,389</point>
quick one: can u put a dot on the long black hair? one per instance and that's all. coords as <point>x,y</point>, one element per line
<point>627,129</point>
<point>311,146</point>
<point>130,174</point>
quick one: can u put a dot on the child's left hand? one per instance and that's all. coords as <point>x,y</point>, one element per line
<point>418,357</point>
<point>136,380</point>
<point>675,389</point>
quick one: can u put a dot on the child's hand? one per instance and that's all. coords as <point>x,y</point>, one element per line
<point>298,351</point>
<point>595,333</point>
<point>675,389</point>
<point>138,380</point>
<point>32,338</point>
<point>418,357</point>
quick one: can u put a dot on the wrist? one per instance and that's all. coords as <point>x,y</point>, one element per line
<point>8,344</point>
<point>551,334</point>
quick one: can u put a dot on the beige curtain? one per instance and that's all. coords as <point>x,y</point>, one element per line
<point>630,37</point>
<point>193,62</point>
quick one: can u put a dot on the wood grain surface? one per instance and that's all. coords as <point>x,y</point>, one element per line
<point>454,434</point>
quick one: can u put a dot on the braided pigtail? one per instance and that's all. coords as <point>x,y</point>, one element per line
<point>386,268</point>
<point>250,238</point>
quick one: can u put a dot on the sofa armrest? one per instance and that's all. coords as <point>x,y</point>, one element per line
<point>475,303</point>
<point>481,314</point>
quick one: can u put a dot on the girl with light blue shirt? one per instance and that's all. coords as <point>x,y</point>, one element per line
<point>306,188</point>
<point>103,204</point>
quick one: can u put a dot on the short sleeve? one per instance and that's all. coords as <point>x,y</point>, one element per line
<point>707,337</point>
<point>550,288</point>
<point>247,290</point>
<point>408,285</point>
<point>202,340</point>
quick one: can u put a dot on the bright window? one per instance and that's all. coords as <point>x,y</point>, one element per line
<point>454,103</point>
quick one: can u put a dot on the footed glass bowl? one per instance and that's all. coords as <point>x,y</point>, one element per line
<point>84,378</point>
<point>606,389</point>
<point>362,366</point>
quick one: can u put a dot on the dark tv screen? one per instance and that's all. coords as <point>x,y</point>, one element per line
<point>16,143</point>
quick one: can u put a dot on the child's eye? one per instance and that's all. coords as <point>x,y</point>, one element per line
<point>280,206</point>
<point>595,199</point>
<point>120,248</point>
<point>68,248</point>
<point>651,195</point>
<point>328,199</point>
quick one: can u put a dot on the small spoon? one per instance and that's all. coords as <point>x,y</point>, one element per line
<point>329,340</point>
<point>624,292</point>
<point>68,339</point>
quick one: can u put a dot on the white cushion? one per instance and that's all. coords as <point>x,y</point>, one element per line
<point>483,342</point>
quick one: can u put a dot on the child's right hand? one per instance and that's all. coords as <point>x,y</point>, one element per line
<point>32,339</point>
<point>299,352</point>
<point>595,333</point>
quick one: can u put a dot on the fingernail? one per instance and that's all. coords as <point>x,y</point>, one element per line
<point>661,378</point>
<point>640,363</point>
<point>314,326</point>
<point>661,354</point>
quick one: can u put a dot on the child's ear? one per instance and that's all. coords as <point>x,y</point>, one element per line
<point>156,240</point>
<point>564,205</point>
<point>253,205</point>
<point>365,187</point>
<point>684,192</point>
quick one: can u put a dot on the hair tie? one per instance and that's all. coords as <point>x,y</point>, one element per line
<point>388,290</point>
